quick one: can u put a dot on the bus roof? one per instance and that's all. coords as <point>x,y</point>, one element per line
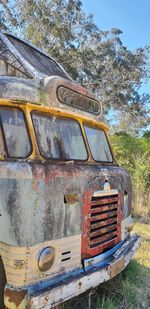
<point>27,74</point>
<point>28,59</point>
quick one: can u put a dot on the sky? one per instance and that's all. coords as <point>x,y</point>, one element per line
<point>130,16</point>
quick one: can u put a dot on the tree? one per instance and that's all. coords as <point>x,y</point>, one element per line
<point>97,59</point>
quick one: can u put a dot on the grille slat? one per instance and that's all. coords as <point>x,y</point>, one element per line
<point>103,201</point>
<point>101,208</point>
<point>107,215</point>
<point>103,220</point>
<point>102,230</point>
<point>98,224</point>
<point>102,238</point>
<point>106,243</point>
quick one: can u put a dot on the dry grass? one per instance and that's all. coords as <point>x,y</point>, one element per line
<point>141,206</point>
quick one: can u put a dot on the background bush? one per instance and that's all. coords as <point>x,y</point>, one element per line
<point>133,153</point>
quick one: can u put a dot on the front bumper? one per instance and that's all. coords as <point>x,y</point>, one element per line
<point>96,270</point>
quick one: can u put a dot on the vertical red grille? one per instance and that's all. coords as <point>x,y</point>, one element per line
<point>102,220</point>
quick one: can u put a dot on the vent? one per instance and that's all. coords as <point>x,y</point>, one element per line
<point>103,220</point>
<point>102,226</point>
<point>66,256</point>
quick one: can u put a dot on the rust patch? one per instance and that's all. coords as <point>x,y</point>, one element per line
<point>16,297</point>
<point>71,198</point>
<point>116,268</point>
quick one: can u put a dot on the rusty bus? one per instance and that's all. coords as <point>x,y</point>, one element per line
<point>65,205</point>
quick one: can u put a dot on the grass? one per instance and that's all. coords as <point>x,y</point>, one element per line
<point>133,284</point>
<point>130,289</point>
<point>141,205</point>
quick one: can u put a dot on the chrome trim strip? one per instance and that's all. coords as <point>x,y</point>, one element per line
<point>105,193</point>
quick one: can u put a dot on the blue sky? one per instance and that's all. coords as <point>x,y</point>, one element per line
<point>130,16</point>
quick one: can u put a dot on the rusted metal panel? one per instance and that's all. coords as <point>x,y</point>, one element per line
<point>99,239</point>
<point>104,216</point>
<point>71,198</point>
<point>103,223</point>
<point>96,210</point>
<point>105,200</point>
<point>102,230</point>
<point>100,209</point>
<point>32,205</point>
<point>117,268</point>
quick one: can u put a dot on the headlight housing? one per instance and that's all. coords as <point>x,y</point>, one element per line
<point>46,259</point>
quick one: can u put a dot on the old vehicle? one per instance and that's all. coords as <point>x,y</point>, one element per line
<point>65,205</point>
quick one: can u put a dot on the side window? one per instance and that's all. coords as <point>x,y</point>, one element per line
<point>15,132</point>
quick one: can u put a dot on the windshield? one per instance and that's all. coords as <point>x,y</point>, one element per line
<point>59,137</point>
<point>98,144</point>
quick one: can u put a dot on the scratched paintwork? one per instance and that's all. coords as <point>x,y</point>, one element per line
<point>101,272</point>
<point>63,287</point>
<point>67,257</point>
<point>29,203</point>
<point>34,208</point>
<point>51,202</point>
<point>26,73</point>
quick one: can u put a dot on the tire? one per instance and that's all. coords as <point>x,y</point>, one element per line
<point>2,284</point>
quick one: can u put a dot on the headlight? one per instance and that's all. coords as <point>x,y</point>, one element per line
<point>46,259</point>
<point>130,228</point>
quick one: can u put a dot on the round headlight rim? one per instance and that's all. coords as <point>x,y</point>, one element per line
<point>41,256</point>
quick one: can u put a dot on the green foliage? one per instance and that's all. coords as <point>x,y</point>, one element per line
<point>134,154</point>
<point>97,59</point>
<point>132,274</point>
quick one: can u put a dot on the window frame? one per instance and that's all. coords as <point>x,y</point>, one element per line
<point>7,107</point>
<point>47,114</point>
<point>100,129</point>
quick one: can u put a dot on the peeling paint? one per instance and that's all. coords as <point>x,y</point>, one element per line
<point>16,299</point>
<point>76,207</point>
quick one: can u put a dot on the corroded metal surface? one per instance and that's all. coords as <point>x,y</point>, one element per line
<point>45,93</point>
<point>21,263</point>
<point>44,202</point>
<point>16,299</point>
<point>102,220</point>
<point>92,278</point>
<point>29,203</point>
<point>29,74</point>
<point>52,292</point>
<point>78,208</point>
<point>20,88</point>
